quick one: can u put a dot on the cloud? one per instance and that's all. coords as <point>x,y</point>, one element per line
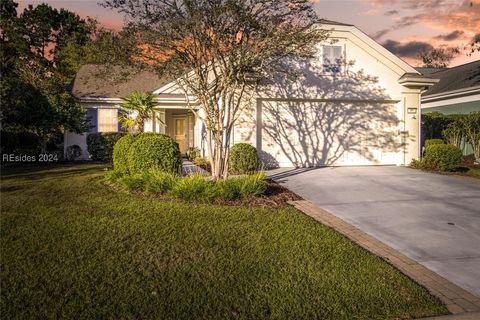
<point>377,35</point>
<point>391,13</point>
<point>407,50</point>
<point>454,35</point>
<point>371,12</point>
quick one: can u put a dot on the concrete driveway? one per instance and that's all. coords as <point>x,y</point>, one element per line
<point>431,218</point>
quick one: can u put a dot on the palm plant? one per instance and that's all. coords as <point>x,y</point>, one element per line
<point>142,104</point>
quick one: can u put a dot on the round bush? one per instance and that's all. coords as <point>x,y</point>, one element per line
<point>120,152</point>
<point>243,158</point>
<point>442,157</point>
<point>431,142</point>
<point>156,151</point>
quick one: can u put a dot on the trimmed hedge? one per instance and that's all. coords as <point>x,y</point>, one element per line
<point>442,157</point>
<point>431,142</point>
<point>243,159</point>
<point>120,152</point>
<point>100,145</point>
<point>154,151</point>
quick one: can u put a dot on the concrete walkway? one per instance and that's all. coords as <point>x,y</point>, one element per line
<point>431,218</point>
<point>190,168</point>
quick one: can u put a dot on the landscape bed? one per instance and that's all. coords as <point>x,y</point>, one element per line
<point>74,248</point>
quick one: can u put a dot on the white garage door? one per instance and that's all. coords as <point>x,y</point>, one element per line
<point>328,133</point>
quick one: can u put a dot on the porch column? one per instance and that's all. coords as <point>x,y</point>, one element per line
<point>411,131</point>
<point>161,125</point>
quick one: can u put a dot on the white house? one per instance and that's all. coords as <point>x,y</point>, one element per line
<point>363,112</point>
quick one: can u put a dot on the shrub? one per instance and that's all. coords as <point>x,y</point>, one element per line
<point>201,161</point>
<point>241,187</point>
<point>194,187</point>
<point>135,182</point>
<point>112,176</point>
<point>243,158</point>
<point>156,151</point>
<point>253,185</point>
<point>416,164</point>
<point>431,142</point>
<point>442,157</point>
<point>73,152</point>
<point>120,152</point>
<point>100,145</point>
<point>228,189</point>
<point>193,153</point>
<point>160,181</point>
<point>433,123</point>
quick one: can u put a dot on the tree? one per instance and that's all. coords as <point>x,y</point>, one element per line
<point>454,131</point>
<point>142,105</point>
<point>34,90</point>
<point>438,58</point>
<point>219,51</point>
<point>474,45</point>
<point>471,125</point>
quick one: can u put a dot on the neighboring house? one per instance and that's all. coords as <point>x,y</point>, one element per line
<point>457,92</point>
<point>355,103</point>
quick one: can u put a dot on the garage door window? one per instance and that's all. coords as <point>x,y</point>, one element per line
<point>107,120</point>
<point>332,59</point>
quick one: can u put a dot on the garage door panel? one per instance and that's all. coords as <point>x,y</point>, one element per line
<point>306,134</point>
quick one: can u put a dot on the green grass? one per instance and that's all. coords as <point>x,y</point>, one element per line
<point>71,248</point>
<point>473,172</point>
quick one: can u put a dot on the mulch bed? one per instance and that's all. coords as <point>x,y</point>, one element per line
<point>275,196</point>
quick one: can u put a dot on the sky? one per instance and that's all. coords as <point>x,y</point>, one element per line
<point>404,27</point>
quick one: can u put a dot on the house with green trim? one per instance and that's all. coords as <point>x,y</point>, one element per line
<point>457,92</point>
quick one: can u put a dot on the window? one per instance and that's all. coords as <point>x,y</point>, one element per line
<point>107,120</point>
<point>332,59</point>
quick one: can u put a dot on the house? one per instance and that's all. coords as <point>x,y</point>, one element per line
<point>354,103</point>
<point>457,92</point>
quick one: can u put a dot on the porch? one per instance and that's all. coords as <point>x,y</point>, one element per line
<point>179,123</point>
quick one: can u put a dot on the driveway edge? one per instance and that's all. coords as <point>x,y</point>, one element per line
<point>454,297</point>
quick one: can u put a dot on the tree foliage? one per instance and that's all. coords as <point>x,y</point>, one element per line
<point>471,124</point>
<point>438,57</point>
<point>34,88</point>
<point>218,50</point>
<point>141,106</point>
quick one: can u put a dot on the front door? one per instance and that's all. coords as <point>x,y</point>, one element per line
<point>181,134</point>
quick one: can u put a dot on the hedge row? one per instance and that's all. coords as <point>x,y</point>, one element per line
<point>137,153</point>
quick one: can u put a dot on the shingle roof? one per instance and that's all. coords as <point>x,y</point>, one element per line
<point>424,70</point>
<point>456,78</point>
<point>114,82</point>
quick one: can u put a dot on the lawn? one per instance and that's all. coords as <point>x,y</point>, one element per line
<point>71,248</point>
